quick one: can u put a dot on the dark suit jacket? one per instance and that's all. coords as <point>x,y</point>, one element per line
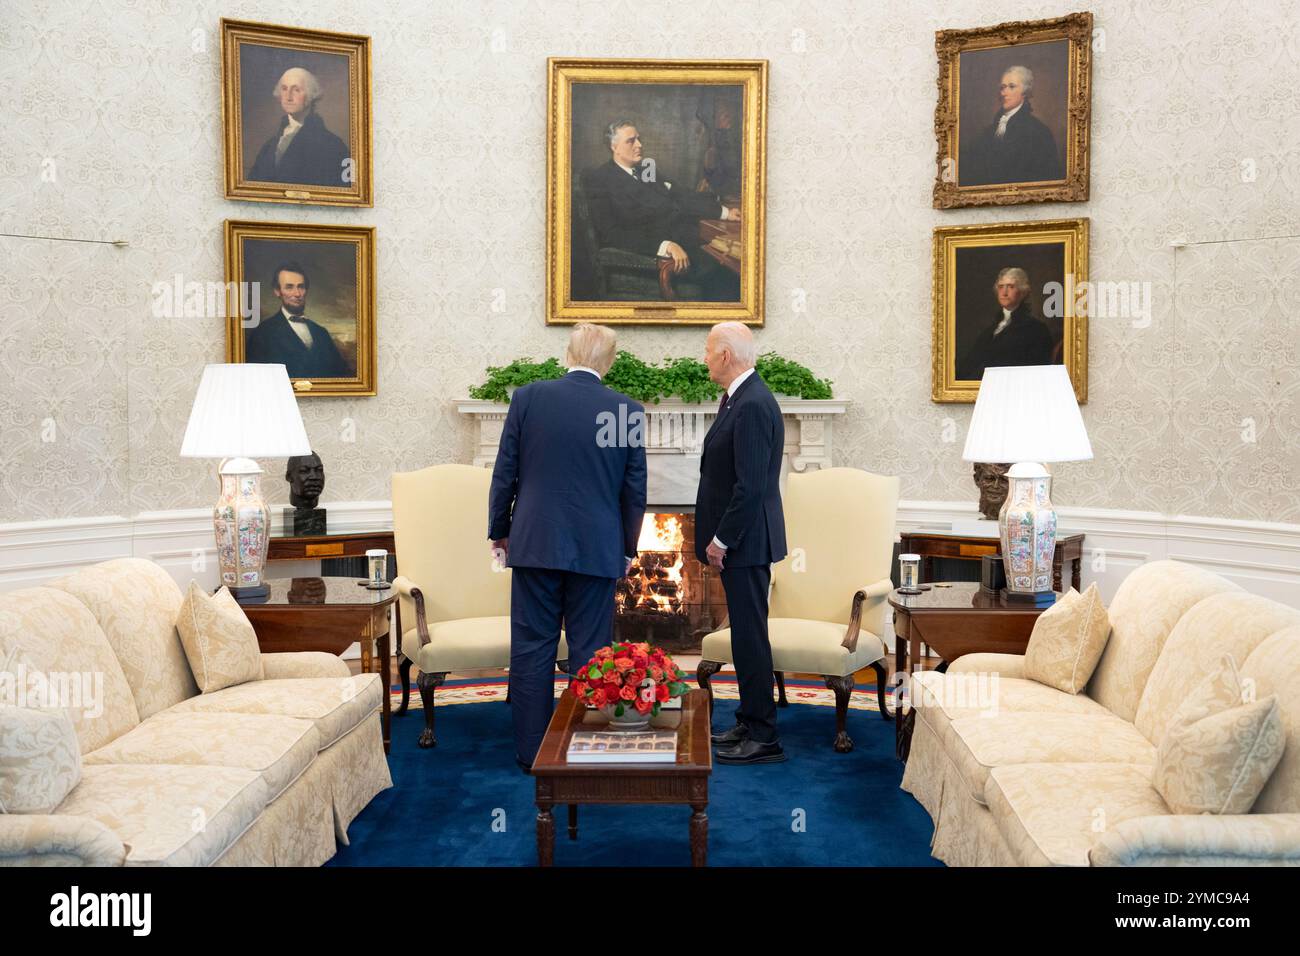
<point>739,497</point>
<point>1025,341</point>
<point>627,213</point>
<point>314,156</point>
<point>567,499</point>
<point>275,343</point>
<point>1026,153</point>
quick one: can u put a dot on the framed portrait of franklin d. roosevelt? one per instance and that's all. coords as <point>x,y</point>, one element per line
<point>656,177</point>
<point>306,300</point>
<point>1014,110</point>
<point>1009,293</point>
<point>296,115</point>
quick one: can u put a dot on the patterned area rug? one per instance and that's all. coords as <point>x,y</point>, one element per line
<point>474,690</point>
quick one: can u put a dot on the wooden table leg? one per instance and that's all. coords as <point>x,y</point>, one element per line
<point>545,835</point>
<point>573,821</point>
<point>1078,580</point>
<point>699,835</point>
<point>386,675</point>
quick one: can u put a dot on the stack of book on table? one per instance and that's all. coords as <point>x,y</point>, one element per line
<point>651,746</point>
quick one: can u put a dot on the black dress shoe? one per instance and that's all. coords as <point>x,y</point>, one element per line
<point>732,737</point>
<point>751,751</point>
<point>526,768</point>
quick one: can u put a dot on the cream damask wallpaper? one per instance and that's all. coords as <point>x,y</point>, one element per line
<point>112,131</point>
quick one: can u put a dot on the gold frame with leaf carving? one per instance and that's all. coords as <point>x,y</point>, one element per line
<point>950,45</point>
<point>562,74</point>
<point>945,387</point>
<point>235,33</point>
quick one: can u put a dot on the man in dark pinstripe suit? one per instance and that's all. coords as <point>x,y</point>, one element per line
<point>740,530</point>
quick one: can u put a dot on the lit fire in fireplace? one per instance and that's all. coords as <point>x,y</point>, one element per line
<point>656,577</point>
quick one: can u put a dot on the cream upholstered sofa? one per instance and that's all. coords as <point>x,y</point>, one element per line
<point>1021,774</point>
<point>269,772</point>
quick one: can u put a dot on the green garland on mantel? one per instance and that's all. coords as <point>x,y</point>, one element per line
<point>684,378</point>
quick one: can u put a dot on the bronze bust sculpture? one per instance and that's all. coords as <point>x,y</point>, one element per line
<point>991,480</point>
<point>306,477</point>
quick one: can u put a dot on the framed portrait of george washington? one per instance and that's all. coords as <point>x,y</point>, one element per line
<point>1015,106</point>
<point>295,107</point>
<point>1009,293</point>
<point>656,179</point>
<point>304,297</point>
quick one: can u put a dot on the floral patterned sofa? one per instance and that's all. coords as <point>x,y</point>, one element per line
<point>269,772</point>
<point>1052,779</point>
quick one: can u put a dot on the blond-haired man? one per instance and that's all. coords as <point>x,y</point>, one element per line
<point>566,504</point>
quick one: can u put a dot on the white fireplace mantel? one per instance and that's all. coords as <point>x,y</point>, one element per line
<point>675,431</point>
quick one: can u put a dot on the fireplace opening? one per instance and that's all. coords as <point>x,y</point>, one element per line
<point>669,598</point>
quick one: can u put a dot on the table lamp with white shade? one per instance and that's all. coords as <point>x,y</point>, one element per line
<point>1028,415</point>
<point>242,412</point>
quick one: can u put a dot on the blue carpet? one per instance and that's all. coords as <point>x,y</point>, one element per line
<point>465,803</point>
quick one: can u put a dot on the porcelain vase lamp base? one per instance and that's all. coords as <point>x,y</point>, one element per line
<point>242,524</point>
<point>1028,523</point>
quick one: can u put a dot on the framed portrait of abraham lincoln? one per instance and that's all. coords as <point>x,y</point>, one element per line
<point>306,300</point>
<point>655,191</point>
<point>1015,104</point>
<point>295,108</point>
<point>1009,293</point>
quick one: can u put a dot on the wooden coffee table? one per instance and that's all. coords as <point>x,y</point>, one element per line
<point>685,781</point>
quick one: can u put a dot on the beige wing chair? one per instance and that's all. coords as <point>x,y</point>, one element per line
<point>829,595</point>
<point>453,600</point>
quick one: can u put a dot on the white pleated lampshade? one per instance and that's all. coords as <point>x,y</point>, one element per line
<point>1026,413</point>
<point>245,411</point>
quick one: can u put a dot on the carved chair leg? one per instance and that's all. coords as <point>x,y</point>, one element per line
<point>703,672</point>
<point>881,678</point>
<point>428,683</point>
<point>843,687</point>
<point>404,669</point>
<point>780,689</point>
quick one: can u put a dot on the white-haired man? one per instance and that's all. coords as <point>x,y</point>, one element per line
<point>740,530</point>
<point>1017,147</point>
<point>565,507</point>
<point>1013,335</point>
<point>302,151</point>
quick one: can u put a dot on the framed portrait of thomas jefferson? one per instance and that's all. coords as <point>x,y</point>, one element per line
<point>1012,293</point>
<point>309,304</point>
<point>296,115</point>
<point>1014,111</point>
<point>656,179</point>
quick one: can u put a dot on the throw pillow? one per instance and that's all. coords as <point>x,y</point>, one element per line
<point>1067,641</point>
<point>40,759</point>
<point>218,639</point>
<point>1219,751</point>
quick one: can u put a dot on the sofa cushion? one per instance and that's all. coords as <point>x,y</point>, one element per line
<point>467,644</point>
<point>219,641</point>
<point>334,705</point>
<point>1274,667</point>
<point>813,647</point>
<point>278,748</point>
<point>1219,750</point>
<point>1050,813</point>
<point>1144,610</point>
<point>51,646</point>
<point>978,744</point>
<point>170,815</point>
<point>40,760</point>
<point>1067,641</point>
<point>136,602</point>
<point>1233,622</point>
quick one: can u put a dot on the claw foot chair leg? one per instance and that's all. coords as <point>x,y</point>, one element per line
<point>843,687</point>
<point>881,679</point>
<point>780,689</point>
<point>703,673</point>
<point>404,669</point>
<point>428,683</point>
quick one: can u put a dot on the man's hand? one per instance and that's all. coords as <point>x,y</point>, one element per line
<point>500,550</point>
<point>627,568</point>
<point>733,213</point>
<point>681,261</point>
<point>715,555</point>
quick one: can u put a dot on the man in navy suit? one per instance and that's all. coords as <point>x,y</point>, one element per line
<point>566,506</point>
<point>740,530</point>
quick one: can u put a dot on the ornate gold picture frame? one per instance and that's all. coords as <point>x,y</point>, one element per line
<point>303,296</point>
<point>295,108</point>
<point>1009,293</point>
<point>1014,111</point>
<point>656,186</point>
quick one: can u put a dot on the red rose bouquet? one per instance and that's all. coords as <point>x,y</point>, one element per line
<point>626,677</point>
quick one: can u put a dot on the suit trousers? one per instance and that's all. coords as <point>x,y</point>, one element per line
<point>751,651</point>
<point>540,600</point>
